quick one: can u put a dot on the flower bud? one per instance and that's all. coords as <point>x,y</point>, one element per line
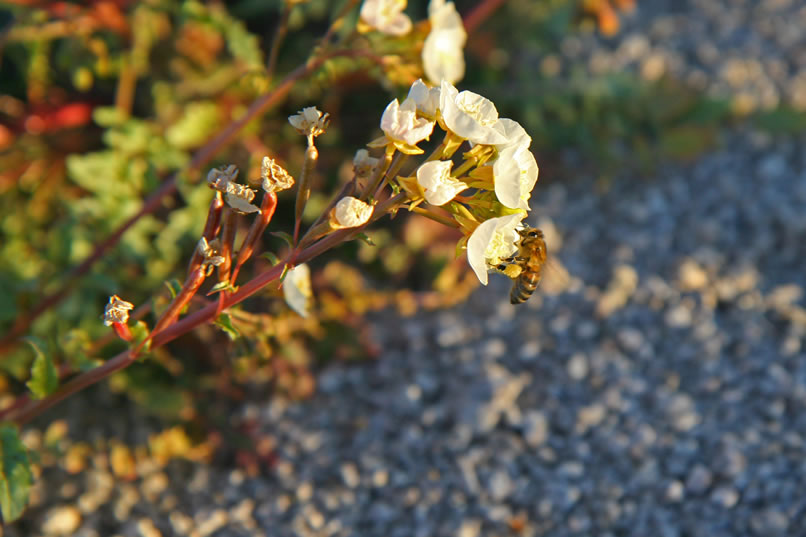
<point>350,212</point>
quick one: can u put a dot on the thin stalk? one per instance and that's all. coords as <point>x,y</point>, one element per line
<point>211,228</point>
<point>442,219</point>
<point>380,173</point>
<point>267,208</point>
<point>304,184</point>
<point>279,34</point>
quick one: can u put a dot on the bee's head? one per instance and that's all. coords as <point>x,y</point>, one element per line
<point>531,233</point>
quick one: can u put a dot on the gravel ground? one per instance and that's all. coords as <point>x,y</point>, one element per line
<point>751,50</point>
<point>659,390</point>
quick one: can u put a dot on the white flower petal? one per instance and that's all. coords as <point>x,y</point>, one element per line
<point>426,99</point>
<point>469,115</point>
<point>400,123</point>
<point>494,240</point>
<point>515,134</point>
<point>352,212</point>
<point>515,171</point>
<point>297,289</point>
<point>438,185</point>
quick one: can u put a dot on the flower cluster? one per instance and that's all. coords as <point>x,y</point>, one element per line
<point>487,196</point>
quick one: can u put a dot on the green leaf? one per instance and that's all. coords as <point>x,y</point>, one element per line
<point>273,259</point>
<point>44,377</point>
<point>288,239</point>
<point>222,286</point>
<point>224,322</point>
<point>140,332</point>
<point>174,286</point>
<point>364,237</point>
<point>15,473</point>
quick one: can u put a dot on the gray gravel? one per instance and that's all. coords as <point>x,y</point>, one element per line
<point>753,51</point>
<point>658,390</point>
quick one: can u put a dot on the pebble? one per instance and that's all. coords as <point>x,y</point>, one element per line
<point>63,520</point>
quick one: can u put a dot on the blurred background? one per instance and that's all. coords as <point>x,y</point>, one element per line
<point>654,385</point>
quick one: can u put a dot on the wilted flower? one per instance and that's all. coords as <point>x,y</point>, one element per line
<point>443,55</point>
<point>117,311</point>
<point>492,242</point>
<point>350,212</point>
<point>297,289</point>
<point>239,198</point>
<point>363,164</point>
<point>275,177</point>
<point>438,185</point>
<point>425,99</point>
<point>401,124</point>
<point>209,251</point>
<point>220,178</point>
<point>386,16</point>
<point>469,115</point>
<point>515,172</point>
<point>309,121</point>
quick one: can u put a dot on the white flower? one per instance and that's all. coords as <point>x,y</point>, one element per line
<point>386,16</point>
<point>515,171</point>
<point>425,99</point>
<point>220,178</point>
<point>238,197</point>
<point>401,124</point>
<point>117,311</point>
<point>443,56</point>
<point>469,115</point>
<point>435,179</point>
<point>350,212</point>
<point>309,121</point>
<point>363,164</point>
<point>492,242</point>
<point>275,177</point>
<point>297,289</point>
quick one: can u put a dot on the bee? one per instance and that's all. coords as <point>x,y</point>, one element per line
<point>526,266</point>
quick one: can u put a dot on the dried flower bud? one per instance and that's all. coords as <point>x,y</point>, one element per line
<point>310,121</point>
<point>239,198</point>
<point>220,178</point>
<point>275,177</point>
<point>350,212</point>
<point>210,251</point>
<point>117,311</point>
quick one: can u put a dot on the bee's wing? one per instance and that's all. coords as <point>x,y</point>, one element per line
<point>555,278</point>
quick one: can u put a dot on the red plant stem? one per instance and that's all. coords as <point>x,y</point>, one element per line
<point>189,289</point>
<point>267,208</point>
<point>211,228</point>
<point>481,13</point>
<point>229,226</point>
<point>181,327</point>
<point>154,201</point>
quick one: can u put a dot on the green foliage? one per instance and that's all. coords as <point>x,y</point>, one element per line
<point>44,376</point>
<point>15,473</point>
<point>224,322</point>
